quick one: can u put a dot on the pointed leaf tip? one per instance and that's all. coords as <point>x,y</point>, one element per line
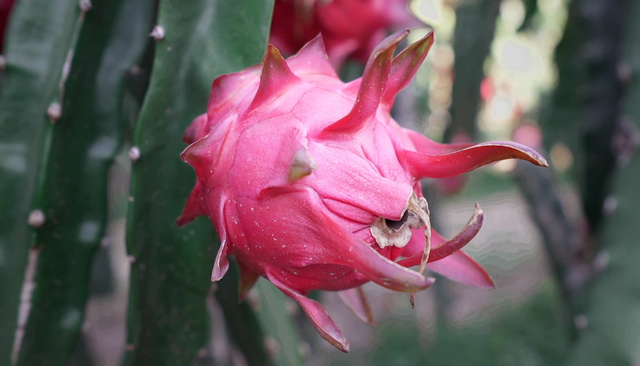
<point>200,156</point>
<point>221,263</point>
<point>405,66</point>
<point>196,130</point>
<point>372,86</point>
<point>317,314</point>
<point>193,208</point>
<point>312,59</point>
<point>422,165</point>
<point>276,78</point>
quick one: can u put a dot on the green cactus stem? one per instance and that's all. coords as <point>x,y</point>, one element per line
<point>561,237</point>
<point>583,114</point>
<point>264,331</point>
<point>283,340</point>
<point>242,324</point>
<point>37,44</point>
<point>612,320</point>
<point>82,133</point>
<point>601,96</point>
<point>560,117</point>
<point>475,26</point>
<point>585,107</point>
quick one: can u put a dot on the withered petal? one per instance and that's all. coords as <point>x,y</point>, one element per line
<point>449,247</point>
<point>358,255</point>
<point>221,263</point>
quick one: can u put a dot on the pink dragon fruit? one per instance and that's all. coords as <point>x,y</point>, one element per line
<point>310,183</point>
<point>350,28</point>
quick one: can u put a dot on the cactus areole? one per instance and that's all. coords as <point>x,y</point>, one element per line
<point>310,183</point>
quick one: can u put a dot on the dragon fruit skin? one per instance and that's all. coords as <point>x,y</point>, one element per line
<point>350,28</point>
<point>306,179</point>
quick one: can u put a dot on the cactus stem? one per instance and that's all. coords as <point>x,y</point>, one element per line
<point>85,5</point>
<point>625,141</point>
<point>66,68</point>
<point>25,299</point>
<point>134,154</point>
<point>54,112</point>
<point>36,218</point>
<point>157,33</point>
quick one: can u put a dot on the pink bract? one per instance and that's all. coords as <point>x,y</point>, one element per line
<point>310,183</point>
<point>350,28</point>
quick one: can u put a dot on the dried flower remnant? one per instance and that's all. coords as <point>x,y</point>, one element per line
<point>310,183</point>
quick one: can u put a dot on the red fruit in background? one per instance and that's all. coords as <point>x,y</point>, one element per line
<point>350,28</point>
<point>310,183</point>
<point>5,10</point>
